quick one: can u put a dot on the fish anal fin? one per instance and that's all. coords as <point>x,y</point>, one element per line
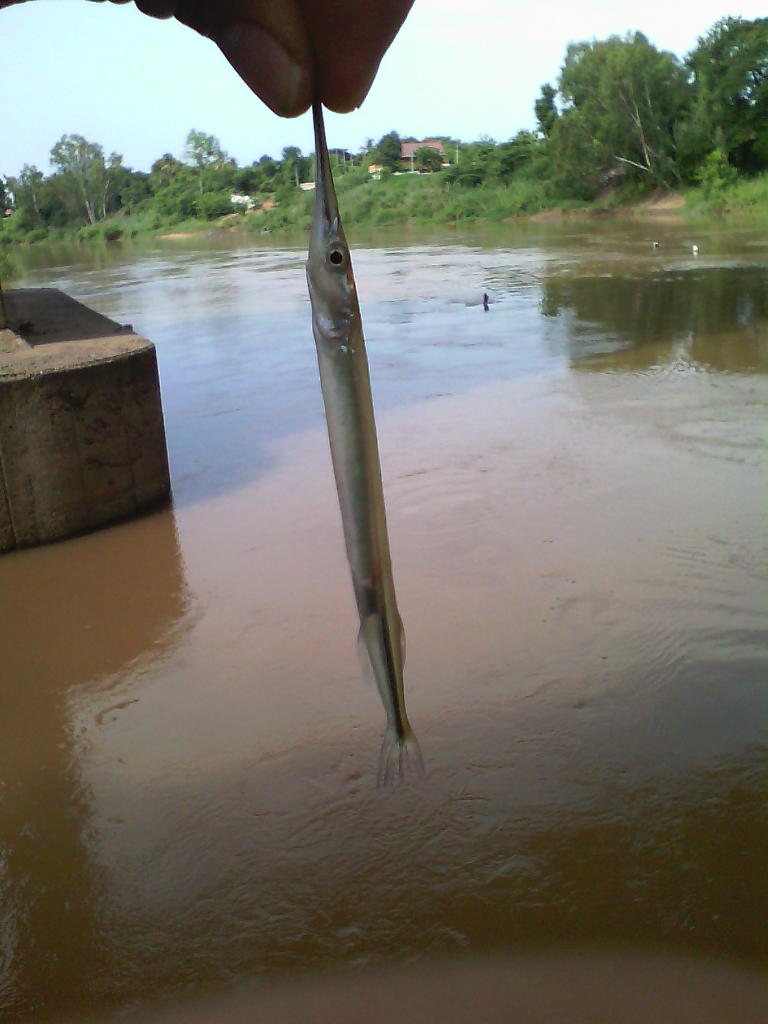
<point>369,638</point>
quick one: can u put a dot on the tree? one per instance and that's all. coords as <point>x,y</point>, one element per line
<point>248,179</point>
<point>177,200</point>
<point>387,151</point>
<point>6,196</point>
<point>165,170</point>
<point>628,100</point>
<point>27,191</point>
<point>730,82</point>
<point>111,176</point>
<point>129,190</point>
<point>294,164</point>
<point>81,168</point>
<point>427,159</point>
<point>574,159</point>
<point>545,109</point>
<point>204,152</point>
<point>511,157</point>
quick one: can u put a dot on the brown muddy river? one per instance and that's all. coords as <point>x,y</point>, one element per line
<point>575,486</point>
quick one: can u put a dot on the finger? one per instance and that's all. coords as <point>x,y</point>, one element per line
<point>349,38</point>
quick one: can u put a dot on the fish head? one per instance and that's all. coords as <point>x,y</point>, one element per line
<point>329,267</point>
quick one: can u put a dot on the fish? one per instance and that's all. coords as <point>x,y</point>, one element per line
<point>346,387</point>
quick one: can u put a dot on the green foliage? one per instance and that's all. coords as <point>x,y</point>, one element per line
<point>204,152</point>
<point>512,157</point>
<point>545,109</point>
<point>486,162</point>
<point>211,205</point>
<point>574,160</point>
<point>283,190</point>
<point>716,175</point>
<point>27,189</point>
<point>246,180</point>
<point>164,170</point>
<point>387,152</point>
<point>467,175</point>
<point>82,173</point>
<point>626,99</point>
<point>745,202</point>
<point>102,232</point>
<point>8,268</point>
<point>722,193</point>
<point>747,199</point>
<point>295,213</point>
<point>177,201</point>
<point>420,199</point>
<point>295,167</point>
<point>427,159</point>
<point>730,81</point>
<point>351,178</point>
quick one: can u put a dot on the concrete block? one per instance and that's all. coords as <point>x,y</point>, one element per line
<point>82,440</point>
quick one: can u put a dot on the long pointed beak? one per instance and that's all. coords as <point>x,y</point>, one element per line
<point>325,193</point>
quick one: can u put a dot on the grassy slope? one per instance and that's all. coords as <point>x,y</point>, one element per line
<point>419,199</point>
<point>745,202</point>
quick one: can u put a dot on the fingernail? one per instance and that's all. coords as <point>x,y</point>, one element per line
<point>265,66</point>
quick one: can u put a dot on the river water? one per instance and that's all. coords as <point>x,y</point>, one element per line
<point>575,485</point>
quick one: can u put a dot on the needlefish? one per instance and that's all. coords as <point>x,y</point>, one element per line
<point>346,387</point>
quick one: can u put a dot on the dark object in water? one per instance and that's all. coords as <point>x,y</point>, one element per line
<point>485,301</point>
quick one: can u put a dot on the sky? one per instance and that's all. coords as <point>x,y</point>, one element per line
<point>137,85</point>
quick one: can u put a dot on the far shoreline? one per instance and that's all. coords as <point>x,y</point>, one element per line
<point>662,207</point>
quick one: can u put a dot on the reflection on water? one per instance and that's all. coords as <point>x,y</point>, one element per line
<point>187,754</point>
<point>74,616</point>
<point>716,319</point>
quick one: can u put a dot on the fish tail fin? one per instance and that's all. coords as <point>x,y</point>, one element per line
<point>400,758</point>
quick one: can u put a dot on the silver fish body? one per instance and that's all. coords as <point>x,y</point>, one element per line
<point>346,388</point>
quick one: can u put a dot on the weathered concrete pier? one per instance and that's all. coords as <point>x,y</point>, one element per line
<point>82,440</point>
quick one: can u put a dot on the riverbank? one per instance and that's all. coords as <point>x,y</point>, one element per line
<point>421,200</point>
<point>664,206</point>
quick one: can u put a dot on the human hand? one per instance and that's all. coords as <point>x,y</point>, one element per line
<point>293,51</point>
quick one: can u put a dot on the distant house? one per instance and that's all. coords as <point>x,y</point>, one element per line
<point>408,152</point>
<point>375,171</point>
<point>246,201</point>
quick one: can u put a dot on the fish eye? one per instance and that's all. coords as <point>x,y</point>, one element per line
<point>336,256</point>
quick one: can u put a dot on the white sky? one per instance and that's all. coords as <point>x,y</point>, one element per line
<point>137,85</point>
